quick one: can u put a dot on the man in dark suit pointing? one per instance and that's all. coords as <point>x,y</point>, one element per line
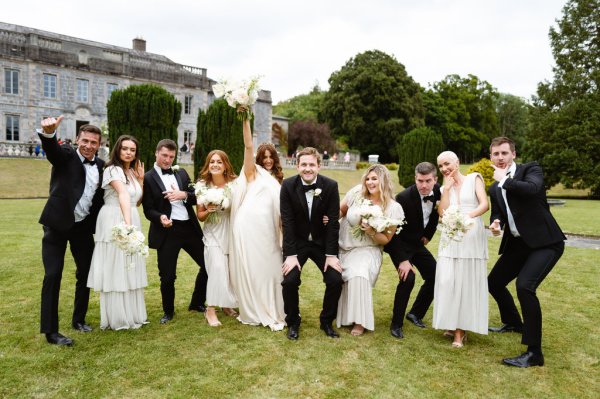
<point>69,217</point>
<point>531,245</point>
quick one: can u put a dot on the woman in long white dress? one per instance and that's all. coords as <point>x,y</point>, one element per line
<point>217,172</point>
<point>461,292</point>
<point>255,244</point>
<point>120,277</point>
<point>361,257</point>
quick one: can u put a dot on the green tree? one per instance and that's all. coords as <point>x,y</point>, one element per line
<point>303,107</point>
<point>419,145</point>
<point>371,102</point>
<point>514,118</point>
<point>565,134</point>
<point>463,111</point>
<point>219,128</point>
<point>147,112</point>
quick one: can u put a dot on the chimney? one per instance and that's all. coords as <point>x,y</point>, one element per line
<point>139,44</point>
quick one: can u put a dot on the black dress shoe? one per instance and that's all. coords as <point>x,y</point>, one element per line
<point>527,359</point>
<point>166,318</point>
<point>58,339</point>
<point>293,333</point>
<point>82,327</point>
<point>415,320</point>
<point>396,332</point>
<point>197,308</point>
<point>506,328</point>
<point>329,331</point>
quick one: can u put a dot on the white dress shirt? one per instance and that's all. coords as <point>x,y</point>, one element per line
<point>178,209</point>
<point>427,208</point>
<point>511,220</point>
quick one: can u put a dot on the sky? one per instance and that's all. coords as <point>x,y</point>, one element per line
<point>294,45</point>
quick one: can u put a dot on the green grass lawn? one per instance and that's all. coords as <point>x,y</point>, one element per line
<point>187,358</point>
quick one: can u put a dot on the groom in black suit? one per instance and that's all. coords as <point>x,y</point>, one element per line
<point>531,245</point>
<point>409,247</point>
<point>69,216</point>
<point>305,199</point>
<point>169,206</point>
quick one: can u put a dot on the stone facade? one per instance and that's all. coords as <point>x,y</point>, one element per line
<point>47,74</point>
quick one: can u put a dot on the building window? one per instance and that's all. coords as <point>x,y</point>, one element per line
<point>11,81</point>
<point>110,87</point>
<point>12,128</point>
<point>187,136</point>
<point>188,105</point>
<point>82,90</point>
<point>49,85</point>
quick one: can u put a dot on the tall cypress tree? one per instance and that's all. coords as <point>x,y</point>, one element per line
<point>147,112</point>
<point>419,145</point>
<point>218,128</point>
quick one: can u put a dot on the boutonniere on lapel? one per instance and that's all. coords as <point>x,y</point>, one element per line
<point>175,168</point>
<point>318,192</point>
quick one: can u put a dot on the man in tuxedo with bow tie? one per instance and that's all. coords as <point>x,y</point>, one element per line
<point>168,204</point>
<point>409,247</point>
<point>305,199</point>
<point>69,217</point>
<point>531,245</point>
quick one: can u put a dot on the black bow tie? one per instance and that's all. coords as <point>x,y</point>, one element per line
<point>167,171</point>
<point>309,187</point>
<point>429,198</point>
<point>92,162</point>
<point>508,174</point>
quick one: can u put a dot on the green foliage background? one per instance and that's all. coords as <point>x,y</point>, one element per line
<point>419,145</point>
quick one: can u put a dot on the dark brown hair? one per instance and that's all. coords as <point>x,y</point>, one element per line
<point>115,158</point>
<point>496,141</point>
<point>277,170</point>
<point>168,144</point>
<point>90,129</point>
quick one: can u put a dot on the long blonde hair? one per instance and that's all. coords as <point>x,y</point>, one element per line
<point>386,188</point>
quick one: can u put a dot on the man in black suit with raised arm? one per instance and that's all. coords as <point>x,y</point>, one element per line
<point>169,206</point>
<point>531,245</point>
<point>69,217</point>
<point>305,199</point>
<point>409,247</point>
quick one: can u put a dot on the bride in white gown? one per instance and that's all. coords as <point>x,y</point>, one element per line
<point>255,241</point>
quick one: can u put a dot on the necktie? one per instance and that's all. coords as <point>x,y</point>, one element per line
<point>309,187</point>
<point>92,162</point>
<point>429,198</point>
<point>167,171</point>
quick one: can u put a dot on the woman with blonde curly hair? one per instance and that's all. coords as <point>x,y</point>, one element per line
<point>361,246</point>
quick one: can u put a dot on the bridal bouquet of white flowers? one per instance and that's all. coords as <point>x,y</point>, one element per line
<point>374,217</point>
<point>454,225</point>
<point>220,197</point>
<point>129,239</point>
<point>243,93</point>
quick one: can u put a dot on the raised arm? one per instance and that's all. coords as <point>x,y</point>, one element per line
<point>249,165</point>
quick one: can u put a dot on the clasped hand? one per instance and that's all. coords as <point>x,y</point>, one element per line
<point>174,194</point>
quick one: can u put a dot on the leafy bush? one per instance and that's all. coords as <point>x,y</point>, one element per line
<point>391,166</point>
<point>362,165</point>
<point>484,167</point>
<point>419,145</point>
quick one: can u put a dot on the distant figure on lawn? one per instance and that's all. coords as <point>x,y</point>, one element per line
<point>69,217</point>
<point>531,245</point>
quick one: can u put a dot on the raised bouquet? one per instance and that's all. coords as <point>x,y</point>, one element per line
<point>373,216</point>
<point>129,239</point>
<point>220,197</point>
<point>454,225</point>
<point>244,93</point>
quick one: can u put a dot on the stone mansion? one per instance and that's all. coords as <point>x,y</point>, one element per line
<point>48,74</point>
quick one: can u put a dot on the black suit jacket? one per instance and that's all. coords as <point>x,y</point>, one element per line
<point>155,204</point>
<point>526,197</point>
<point>403,245</point>
<point>294,216</point>
<point>67,183</point>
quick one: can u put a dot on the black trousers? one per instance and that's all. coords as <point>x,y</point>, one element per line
<point>291,283</point>
<point>425,263</point>
<point>54,247</point>
<point>529,266</point>
<point>181,235</point>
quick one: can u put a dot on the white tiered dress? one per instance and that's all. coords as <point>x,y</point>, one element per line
<point>119,277</point>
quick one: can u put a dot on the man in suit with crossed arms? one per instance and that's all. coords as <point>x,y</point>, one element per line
<point>531,245</point>
<point>69,217</point>
<point>409,247</point>
<point>169,206</point>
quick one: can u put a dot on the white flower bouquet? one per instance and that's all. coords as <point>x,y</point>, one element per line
<point>374,217</point>
<point>129,239</point>
<point>243,93</point>
<point>454,225</point>
<point>220,197</point>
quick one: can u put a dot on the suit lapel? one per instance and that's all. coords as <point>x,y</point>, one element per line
<point>501,199</point>
<point>179,183</point>
<point>418,202</point>
<point>301,196</point>
<point>158,180</point>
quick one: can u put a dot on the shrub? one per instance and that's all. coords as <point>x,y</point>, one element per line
<point>391,166</point>
<point>362,165</point>
<point>484,167</point>
<point>418,145</point>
